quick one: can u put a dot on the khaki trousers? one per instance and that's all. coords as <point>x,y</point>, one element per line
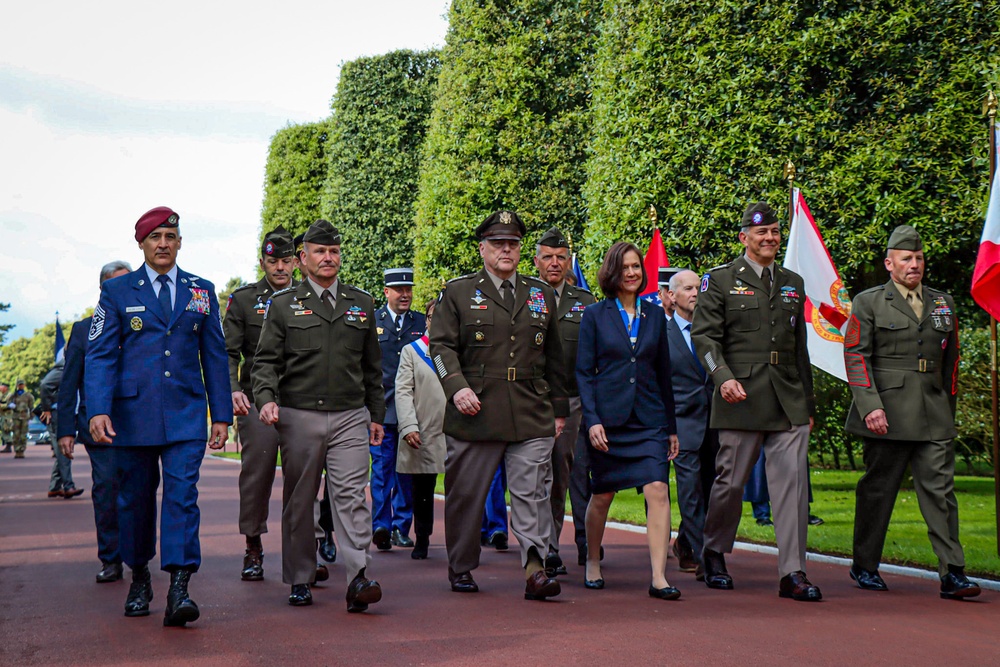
<point>468,471</point>
<point>259,454</point>
<point>787,465</point>
<point>557,480</point>
<point>310,438</point>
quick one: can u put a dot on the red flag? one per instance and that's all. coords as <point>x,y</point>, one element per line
<point>986,276</point>
<point>656,257</point>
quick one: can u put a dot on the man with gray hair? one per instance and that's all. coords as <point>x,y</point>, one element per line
<point>72,427</point>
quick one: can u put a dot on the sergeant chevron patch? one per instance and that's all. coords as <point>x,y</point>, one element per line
<point>857,370</point>
<point>97,323</point>
<point>439,365</point>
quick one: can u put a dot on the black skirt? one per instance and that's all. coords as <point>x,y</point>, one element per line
<point>637,455</point>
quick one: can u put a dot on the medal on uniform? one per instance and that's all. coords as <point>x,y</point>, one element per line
<point>480,336</point>
<point>136,324</point>
<point>539,338</point>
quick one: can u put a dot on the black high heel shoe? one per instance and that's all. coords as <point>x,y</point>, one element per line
<point>594,584</point>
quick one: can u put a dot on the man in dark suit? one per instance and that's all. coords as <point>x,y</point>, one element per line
<point>72,427</point>
<point>699,443</point>
<point>496,347</point>
<point>155,353</point>
<point>392,493</point>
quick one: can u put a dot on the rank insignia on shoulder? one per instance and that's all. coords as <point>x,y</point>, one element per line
<point>136,323</point>
<point>704,283</point>
<point>97,323</point>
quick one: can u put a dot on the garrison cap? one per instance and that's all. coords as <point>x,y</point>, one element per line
<point>20,381</point>
<point>553,238</point>
<point>501,225</point>
<point>322,232</point>
<point>904,237</point>
<point>277,243</point>
<point>758,214</point>
<point>665,273</point>
<point>398,277</point>
<point>161,216</point>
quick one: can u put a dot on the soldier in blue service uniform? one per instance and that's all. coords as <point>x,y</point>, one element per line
<point>392,493</point>
<point>155,351</point>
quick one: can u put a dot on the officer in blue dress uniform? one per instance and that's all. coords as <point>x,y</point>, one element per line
<point>392,493</point>
<point>155,352</point>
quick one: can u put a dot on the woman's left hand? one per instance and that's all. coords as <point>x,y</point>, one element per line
<point>675,447</point>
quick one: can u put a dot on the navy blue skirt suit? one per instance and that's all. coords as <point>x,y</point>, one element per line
<point>626,389</point>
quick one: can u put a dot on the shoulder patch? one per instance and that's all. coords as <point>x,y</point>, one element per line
<point>704,282</point>
<point>853,335</point>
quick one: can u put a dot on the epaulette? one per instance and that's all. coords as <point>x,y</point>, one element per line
<point>281,291</point>
<point>358,289</point>
<point>719,267</point>
<point>243,287</point>
<point>583,289</point>
<point>872,290</point>
<point>465,277</point>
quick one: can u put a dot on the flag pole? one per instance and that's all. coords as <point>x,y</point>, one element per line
<point>652,217</point>
<point>790,177</point>
<point>991,111</point>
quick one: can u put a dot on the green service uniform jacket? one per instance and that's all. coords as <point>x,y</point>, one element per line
<point>741,332</point>
<point>317,361</point>
<point>242,325</point>
<point>569,312</point>
<point>513,361</point>
<point>903,365</point>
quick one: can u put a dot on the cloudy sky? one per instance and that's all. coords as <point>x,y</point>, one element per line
<point>110,108</point>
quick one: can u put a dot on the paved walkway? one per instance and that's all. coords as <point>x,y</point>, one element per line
<point>52,612</point>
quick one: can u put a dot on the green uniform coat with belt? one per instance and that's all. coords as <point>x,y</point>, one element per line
<point>569,312</point>
<point>512,361</point>
<point>905,365</point>
<point>740,332</point>
<point>242,326</point>
<point>317,361</point>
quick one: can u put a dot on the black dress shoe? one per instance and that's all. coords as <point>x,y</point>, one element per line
<point>797,587</point>
<point>362,592</point>
<point>109,572</point>
<point>140,593</point>
<point>716,575</point>
<point>540,586</point>
<point>499,541</point>
<point>956,586</point>
<point>593,584</point>
<point>764,522</point>
<point>71,492</point>
<point>301,596</point>
<point>815,520</point>
<point>327,548</point>
<point>322,572</point>
<point>382,539</point>
<point>400,540</point>
<point>253,564</point>
<point>554,565</point>
<point>668,593</point>
<point>462,582</point>
<point>181,608</point>
<point>868,579</point>
<point>420,548</point>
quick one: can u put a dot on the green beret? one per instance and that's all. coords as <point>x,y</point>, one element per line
<point>277,243</point>
<point>501,225</point>
<point>553,238</point>
<point>322,232</point>
<point>904,237</point>
<point>758,214</point>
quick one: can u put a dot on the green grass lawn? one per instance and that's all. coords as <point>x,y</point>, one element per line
<point>833,500</point>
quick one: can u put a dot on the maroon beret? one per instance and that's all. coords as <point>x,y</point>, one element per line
<point>161,216</point>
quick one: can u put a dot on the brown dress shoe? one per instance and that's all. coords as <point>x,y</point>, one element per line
<point>540,586</point>
<point>686,562</point>
<point>362,592</point>
<point>462,582</point>
<point>797,587</point>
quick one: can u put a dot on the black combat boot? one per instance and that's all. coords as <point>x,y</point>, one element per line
<point>181,609</point>
<point>140,593</point>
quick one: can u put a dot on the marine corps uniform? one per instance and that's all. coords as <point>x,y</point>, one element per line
<point>907,365</point>
<point>744,331</point>
<point>23,401</point>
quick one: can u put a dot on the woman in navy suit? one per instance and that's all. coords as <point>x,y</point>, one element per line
<point>623,368</point>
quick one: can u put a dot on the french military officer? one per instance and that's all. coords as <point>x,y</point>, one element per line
<point>554,261</point>
<point>317,376</point>
<point>397,325</point>
<point>155,352</point>
<point>72,427</point>
<point>901,353</point>
<point>749,332</point>
<point>496,346</point>
<point>259,454</point>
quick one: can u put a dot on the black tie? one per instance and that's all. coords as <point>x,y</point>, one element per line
<point>398,321</point>
<point>765,275</point>
<point>164,296</point>
<point>325,298</point>
<point>508,295</point>
<point>697,361</point>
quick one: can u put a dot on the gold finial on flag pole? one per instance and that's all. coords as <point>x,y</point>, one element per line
<point>990,105</point>
<point>652,215</point>
<point>789,173</point>
<point>790,177</point>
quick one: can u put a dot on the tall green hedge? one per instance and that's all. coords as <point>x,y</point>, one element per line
<point>698,105</point>
<point>508,128</point>
<point>380,115</point>
<point>294,176</point>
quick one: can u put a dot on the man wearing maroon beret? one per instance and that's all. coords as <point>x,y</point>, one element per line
<point>155,354</point>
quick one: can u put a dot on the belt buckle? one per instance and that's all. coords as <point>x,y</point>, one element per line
<point>774,358</point>
<point>922,366</point>
<point>511,375</point>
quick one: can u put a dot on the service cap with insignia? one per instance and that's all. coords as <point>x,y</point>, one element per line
<point>904,237</point>
<point>501,225</point>
<point>277,243</point>
<point>758,214</point>
<point>398,277</point>
<point>664,274</point>
<point>161,216</point>
<point>322,232</point>
<point>553,238</point>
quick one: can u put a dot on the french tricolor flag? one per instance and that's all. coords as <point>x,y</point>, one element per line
<point>986,277</point>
